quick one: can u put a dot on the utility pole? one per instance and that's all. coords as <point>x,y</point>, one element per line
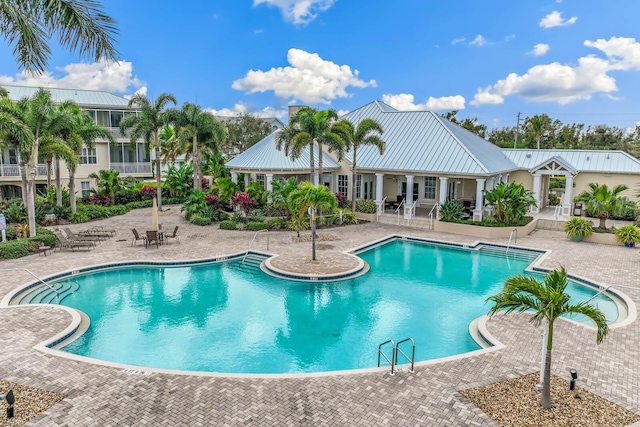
<point>515,142</point>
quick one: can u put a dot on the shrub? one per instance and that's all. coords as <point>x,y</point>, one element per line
<point>14,249</point>
<point>79,217</point>
<point>138,205</point>
<point>343,202</point>
<point>276,223</point>
<point>43,237</point>
<point>273,209</point>
<point>577,226</point>
<point>15,211</point>
<point>62,212</point>
<point>298,224</point>
<point>213,201</point>
<point>256,215</point>
<point>228,225</point>
<point>128,195</point>
<point>554,200</point>
<point>95,211</point>
<point>118,210</point>
<point>174,200</point>
<point>147,192</point>
<point>366,206</point>
<point>236,217</point>
<point>243,202</point>
<point>628,234</point>
<point>349,217</point>
<point>97,199</point>
<point>626,211</point>
<point>256,225</point>
<point>451,211</point>
<point>200,220</point>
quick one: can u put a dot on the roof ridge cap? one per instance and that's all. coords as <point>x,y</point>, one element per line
<point>464,147</point>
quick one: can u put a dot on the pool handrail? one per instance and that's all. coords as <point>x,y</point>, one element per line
<point>250,244</point>
<point>37,278</point>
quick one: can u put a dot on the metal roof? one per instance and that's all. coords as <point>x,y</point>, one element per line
<point>582,160</point>
<point>424,142</point>
<point>264,156</point>
<point>84,98</point>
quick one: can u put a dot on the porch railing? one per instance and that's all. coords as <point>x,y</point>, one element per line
<point>14,170</point>
<point>141,168</point>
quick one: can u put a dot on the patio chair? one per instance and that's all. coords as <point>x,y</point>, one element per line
<point>174,235</point>
<point>152,236</point>
<point>65,242</point>
<point>137,237</point>
<point>79,236</point>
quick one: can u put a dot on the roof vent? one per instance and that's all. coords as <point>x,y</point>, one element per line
<point>587,158</point>
<point>528,156</point>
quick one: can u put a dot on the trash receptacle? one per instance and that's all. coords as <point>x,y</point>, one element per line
<point>577,209</point>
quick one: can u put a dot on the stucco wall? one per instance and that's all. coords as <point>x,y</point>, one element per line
<point>583,179</point>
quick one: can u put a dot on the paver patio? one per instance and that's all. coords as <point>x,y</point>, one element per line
<point>106,396</point>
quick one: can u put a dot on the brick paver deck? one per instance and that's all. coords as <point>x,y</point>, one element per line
<point>105,396</point>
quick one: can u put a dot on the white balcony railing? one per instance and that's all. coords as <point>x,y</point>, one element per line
<point>14,170</point>
<point>138,168</point>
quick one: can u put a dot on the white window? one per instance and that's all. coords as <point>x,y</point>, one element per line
<point>261,179</point>
<point>88,156</point>
<point>430,187</point>
<point>358,188</point>
<point>85,186</point>
<point>343,184</point>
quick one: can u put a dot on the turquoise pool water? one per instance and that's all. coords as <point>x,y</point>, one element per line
<point>218,318</point>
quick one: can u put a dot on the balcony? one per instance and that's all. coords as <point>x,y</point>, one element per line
<point>132,168</point>
<point>13,171</point>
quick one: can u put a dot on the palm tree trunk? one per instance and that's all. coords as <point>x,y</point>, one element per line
<point>49,162</point>
<point>23,177</point>
<point>603,222</point>
<point>313,235</point>
<point>58,184</point>
<point>312,160</point>
<point>31,187</point>
<point>354,174</point>
<point>545,400</point>
<point>538,142</point>
<point>72,190</point>
<point>320,169</point>
<point>196,164</point>
<point>158,180</point>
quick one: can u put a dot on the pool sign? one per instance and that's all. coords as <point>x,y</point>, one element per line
<point>3,226</point>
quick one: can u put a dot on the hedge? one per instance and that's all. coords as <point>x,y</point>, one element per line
<point>256,226</point>
<point>228,225</point>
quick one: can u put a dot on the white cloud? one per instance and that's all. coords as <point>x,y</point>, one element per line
<point>102,75</point>
<point>562,83</point>
<point>405,102</point>
<point>554,19</point>
<point>540,49</point>
<point>309,79</point>
<point>479,41</point>
<point>458,40</point>
<point>298,11</point>
<point>342,112</point>
<point>240,109</point>
<point>510,37</point>
<point>141,91</point>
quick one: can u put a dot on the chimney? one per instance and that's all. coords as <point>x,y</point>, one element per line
<point>293,109</point>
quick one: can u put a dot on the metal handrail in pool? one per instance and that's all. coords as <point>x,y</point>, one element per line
<point>392,362</point>
<point>413,352</point>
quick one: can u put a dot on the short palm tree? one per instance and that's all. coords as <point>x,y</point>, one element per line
<point>368,132</point>
<point>602,201</point>
<point>308,128</point>
<point>548,301</point>
<point>108,182</point>
<point>309,196</point>
<point>147,124</point>
<point>80,25</point>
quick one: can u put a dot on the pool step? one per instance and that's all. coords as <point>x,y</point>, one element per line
<point>512,253</point>
<point>42,294</point>
<point>251,264</point>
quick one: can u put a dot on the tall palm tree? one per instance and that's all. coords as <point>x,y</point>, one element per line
<point>368,132</point>
<point>14,132</point>
<point>147,124</point>
<point>79,25</point>
<point>537,125</point>
<point>548,301</point>
<point>602,201</point>
<point>196,131</point>
<point>309,196</point>
<point>308,127</point>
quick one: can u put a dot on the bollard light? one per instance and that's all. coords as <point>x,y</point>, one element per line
<point>11,399</point>
<point>574,377</point>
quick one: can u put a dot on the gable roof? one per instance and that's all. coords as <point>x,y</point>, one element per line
<point>424,142</point>
<point>84,98</point>
<point>554,162</point>
<point>581,160</point>
<point>264,156</point>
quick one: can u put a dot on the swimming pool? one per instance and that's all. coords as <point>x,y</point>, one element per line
<point>221,318</point>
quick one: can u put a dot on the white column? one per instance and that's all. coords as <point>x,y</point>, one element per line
<point>477,213</point>
<point>247,177</point>
<point>234,177</point>
<point>537,187</point>
<point>408,204</point>
<point>568,196</point>
<point>269,177</point>
<point>379,187</point>
<point>444,188</point>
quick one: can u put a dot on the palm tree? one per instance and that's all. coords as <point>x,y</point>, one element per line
<point>79,24</point>
<point>147,124</point>
<point>368,132</point>
<point>108,183</point>
<point>14,132</point>
<point>538,124</point>
<point>308,127</point>
<point>548,301</point>
<point>314,197</point>
<point>196,131</point>
<point>602,201</point>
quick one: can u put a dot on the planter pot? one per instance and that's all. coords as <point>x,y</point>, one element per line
<point>629,245</point>
<point>577,238</point>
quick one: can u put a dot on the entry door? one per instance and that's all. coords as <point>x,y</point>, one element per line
<point>452,193</point>
<point>416,193</point>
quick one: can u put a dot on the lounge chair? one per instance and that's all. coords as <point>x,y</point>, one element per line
<point>152,236</point>
<point>79,236</point>
<point>174,235</point>
<point>65,242</point>
<point>137,237</point>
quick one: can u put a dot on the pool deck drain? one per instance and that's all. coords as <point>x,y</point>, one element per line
<point>106,396</point>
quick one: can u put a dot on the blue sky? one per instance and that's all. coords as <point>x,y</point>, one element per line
<point>577,60</point>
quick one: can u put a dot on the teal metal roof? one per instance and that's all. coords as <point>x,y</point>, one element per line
<point>581,160</point>
<point>423,142</point>
<point>84,98</point>
<point>264,156</point>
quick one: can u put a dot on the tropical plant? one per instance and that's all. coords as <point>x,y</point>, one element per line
<point>196,131</point>
<point>577,228</point>
<point>368,132</point>
<point>108,183</point>
<point>451,211</point>
<point>256,192</point>
<point>308,128</point>
<point>79,25</point>
<point>147,124</point>
<point>510,201</point>
<point>244,131</point>
<point>629,235</point>
<point>243,203</point>
<point>178,180</point>
<point>366,206</point>
<point>309,196</point>
<point>224,188</point>
<point>548,301</point>
<point>280,190</point>
<point>602,201</point>
<point>194,204</point>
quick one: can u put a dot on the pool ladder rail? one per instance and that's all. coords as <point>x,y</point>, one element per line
<point>395,350</point>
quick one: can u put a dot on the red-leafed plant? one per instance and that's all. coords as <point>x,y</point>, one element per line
<point>213,201</point>
<point>147,192</point>
<point>243,203</point>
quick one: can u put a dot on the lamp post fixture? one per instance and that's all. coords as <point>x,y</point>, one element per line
<point>11,399</point>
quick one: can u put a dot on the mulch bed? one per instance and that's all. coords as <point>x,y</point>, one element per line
<point>30,401</point>
<point>516,403</point>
